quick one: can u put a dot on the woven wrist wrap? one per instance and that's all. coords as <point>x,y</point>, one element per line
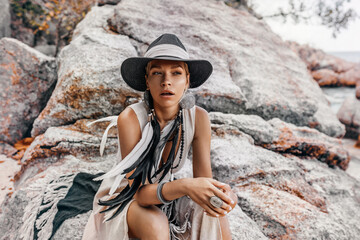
<point>159,194</point>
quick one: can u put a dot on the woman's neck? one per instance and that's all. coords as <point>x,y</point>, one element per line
<point>164,115</point>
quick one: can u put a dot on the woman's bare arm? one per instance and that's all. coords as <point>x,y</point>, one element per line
<point>201,158</point>
<point>201,145</point>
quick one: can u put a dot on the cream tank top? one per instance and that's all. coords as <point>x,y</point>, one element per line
<point>189,130</point>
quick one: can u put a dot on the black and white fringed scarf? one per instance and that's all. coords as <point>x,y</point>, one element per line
<point>144,159</point>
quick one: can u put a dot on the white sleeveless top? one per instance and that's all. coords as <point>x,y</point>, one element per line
<point>200,225</point>
<point>189,130</point>
<point>116,173</point>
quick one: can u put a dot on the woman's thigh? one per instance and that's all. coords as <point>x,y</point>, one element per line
<point>149,222</point>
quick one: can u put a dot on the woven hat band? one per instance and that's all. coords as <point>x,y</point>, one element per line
<point>166,49</point>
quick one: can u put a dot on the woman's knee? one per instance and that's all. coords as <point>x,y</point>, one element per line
<point>158,225</point>
<point>147,223</point>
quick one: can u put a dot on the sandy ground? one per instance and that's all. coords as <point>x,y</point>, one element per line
<point>354,165</point>
<point>8,167</point>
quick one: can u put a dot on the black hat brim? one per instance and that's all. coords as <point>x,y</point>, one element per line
<point>133,71</point>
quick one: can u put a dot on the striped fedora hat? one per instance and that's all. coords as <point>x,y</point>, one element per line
<point>166,47</point>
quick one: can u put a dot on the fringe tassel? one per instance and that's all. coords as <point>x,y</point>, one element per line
<point>170,211</point>
<point>39,215</point>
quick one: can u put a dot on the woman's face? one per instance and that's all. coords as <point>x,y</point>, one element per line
<point>167,80</point>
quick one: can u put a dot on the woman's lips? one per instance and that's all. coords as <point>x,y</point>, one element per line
<point>167,93</point>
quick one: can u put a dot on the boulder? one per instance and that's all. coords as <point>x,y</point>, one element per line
<point>349,115</point>
<point>288,196</point>
<point>8,167</point>
<point>258,73</point>
<point>327,69</point>
<point>89,84</point>
<point>282,137</point>
<point>5,19</point>
<point>280,194</point>
<point>27,79</point>
<point>7,150</point>
<point>77,140</point>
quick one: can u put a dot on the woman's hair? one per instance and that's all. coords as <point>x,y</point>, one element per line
<point>147,68</point>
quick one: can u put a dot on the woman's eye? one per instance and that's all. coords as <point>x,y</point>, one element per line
<point>156,73</point>
<point>177,73</point>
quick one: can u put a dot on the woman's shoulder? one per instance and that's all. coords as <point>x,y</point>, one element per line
<point>202,122</point>
<point>133,115</point>
<point>201,114</point>
<point>127,117</point>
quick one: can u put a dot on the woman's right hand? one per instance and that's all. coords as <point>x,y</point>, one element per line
<point>201,189</point>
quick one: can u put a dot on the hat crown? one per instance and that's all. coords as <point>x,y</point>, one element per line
<point>167,38</point>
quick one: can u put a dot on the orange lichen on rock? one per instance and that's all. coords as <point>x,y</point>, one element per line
<point>357,144</point>
<point>298,188</point>
<point>221,131</point>
<point>23,144</point>
<point>295,141</point>
<point>325,77</point>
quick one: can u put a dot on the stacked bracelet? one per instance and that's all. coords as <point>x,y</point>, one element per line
<point>159,194</point>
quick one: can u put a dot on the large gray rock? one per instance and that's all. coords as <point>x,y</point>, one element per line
<point>27,78</point>
<point>281,194</point>
<point>288,197</point>
<point>282,137</point>
<point>76,140</point>
<point>254,70</point>
<point>89,83</point>
<point>349,114</point>
<point>5,19</point>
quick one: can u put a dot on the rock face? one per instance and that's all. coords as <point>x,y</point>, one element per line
<point>282,137</point>
<point>248,61</point>
<point>349,114</point>
<point>282,195</point>
<point>5,19</point>
<point>89,84</point>
<point>273,133</point>
<point>288,196</point>
<point>326,69</point>
<point>27,79</point>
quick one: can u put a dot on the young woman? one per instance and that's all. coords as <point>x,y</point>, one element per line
<point>139,197</point>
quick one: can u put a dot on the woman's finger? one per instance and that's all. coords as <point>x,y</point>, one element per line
<point>209,210</point>
<point>214,212</point>
<point>226,198</point>
<point>217,183</point>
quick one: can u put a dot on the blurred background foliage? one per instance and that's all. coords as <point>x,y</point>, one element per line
<point>51,22</point>
<point>334,14</point>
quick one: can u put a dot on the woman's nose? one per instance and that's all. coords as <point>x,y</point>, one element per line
<point>166,80</point>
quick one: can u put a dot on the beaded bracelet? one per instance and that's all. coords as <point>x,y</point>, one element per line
<point>159,194</point>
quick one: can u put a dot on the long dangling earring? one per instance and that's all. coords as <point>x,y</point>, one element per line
<point>187,100</point>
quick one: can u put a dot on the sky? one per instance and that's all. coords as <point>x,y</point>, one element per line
<point>313,34</point>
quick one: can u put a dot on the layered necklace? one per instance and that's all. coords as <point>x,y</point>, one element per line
<point>145,166</point>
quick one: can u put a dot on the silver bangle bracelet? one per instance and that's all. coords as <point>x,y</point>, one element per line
<point>159,194</point>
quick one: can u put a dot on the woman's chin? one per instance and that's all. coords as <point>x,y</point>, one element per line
<point>167,103</point>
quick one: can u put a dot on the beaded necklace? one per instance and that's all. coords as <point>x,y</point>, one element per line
<point>145,166</point>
